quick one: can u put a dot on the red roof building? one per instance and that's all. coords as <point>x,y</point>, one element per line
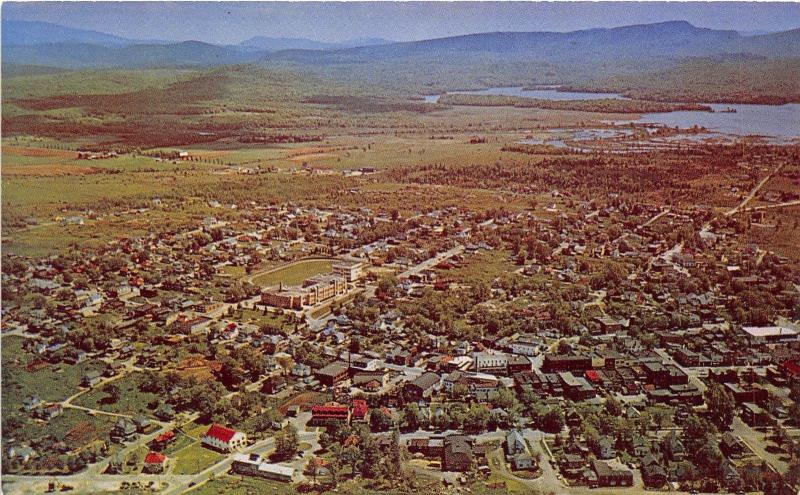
<point>792,369</point>
<point>155,458</point>
<point>329,411</point>
<point>222,438</point>
<point>359,411</point>
<point>165,437</point>
<point>154,462</point>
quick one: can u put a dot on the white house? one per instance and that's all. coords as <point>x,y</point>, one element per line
<point>225,439</point>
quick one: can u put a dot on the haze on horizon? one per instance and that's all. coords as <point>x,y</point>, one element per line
<point>232,22</point>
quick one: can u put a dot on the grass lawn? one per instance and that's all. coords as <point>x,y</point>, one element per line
<point>47,383</point>
<point>485,266</point>
<point>294,274</point>
<point>230,485</point>
<point>61,425</point>
<point>194,459</point>
<point>131,400</point>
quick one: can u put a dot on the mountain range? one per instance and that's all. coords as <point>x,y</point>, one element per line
<point>43,44</point>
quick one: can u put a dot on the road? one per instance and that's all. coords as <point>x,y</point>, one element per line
<point>796,202</point>
<point>431,262</point>
<point>755,190</point>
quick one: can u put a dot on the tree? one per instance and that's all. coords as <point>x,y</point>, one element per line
<point>721,406</point>
<point>286,443</point>
<point>477,418</point>
<point>113,394</point>
<point>613,407</point>
<point>412,418</point>
<point>553,420</point>
<point>379,421</point>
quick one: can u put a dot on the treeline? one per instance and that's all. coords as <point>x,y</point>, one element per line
<point>368,104</point>
<point>606,105</point>
<point>747,80</point>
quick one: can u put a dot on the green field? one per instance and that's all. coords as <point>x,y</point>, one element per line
<point>294,274</point>
<point>194,459</point>
<point>131,400</point>
<point>53,383</point>
<point>242,486</point>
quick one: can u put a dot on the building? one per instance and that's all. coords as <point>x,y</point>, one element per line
<point>522,462</point>
<point>254,465</point>
<point>91,378</point>
<point>123,430</point>
<point>457,454</point>
<point>313,291</point>
<point>553,363</point>
<point>500,363</point>
<point>608,476</point>
<point>350,269</point>
<point>761,335</point>
<point>330,412</point>
<point>526,346</point>
<point>223,439</point>
<point>333,373</point>
<point>359,410</point>
<point>421,388</point>
<point>515,444</point>
<point>154,463</point>
<point>575,388</point>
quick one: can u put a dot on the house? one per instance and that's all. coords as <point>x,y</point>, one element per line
<point>522,462</point>
<point>333,373</point>
<point>91,378</point>
<point>165,412</point>
<point>421,388</point>
<point>457,454</point>
<point>515,444</point>
<point>753,415</point>
<point>154,462</point>
<point>605,448</point>
<point>654,476</point>
<point>611,476</point>
<point>572,462</point>
<point>49,411</point>
<point>31,403</point>
<point>301,370</point>
<point>359,410</point>
<point>673,448</point>
<point>223,439</point>
<point>23,453</point>
<point>163,440</point>
<point>731,446</point>
<point>273,385</point>
<point>123,430</point>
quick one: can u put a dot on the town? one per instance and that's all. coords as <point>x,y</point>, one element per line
<point>368,248</point>
<point>572,346</point>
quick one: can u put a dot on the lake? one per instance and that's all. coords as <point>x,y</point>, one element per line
<point>781,122</point>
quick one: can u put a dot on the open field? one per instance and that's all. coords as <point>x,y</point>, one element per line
<point>194,459</point>
<point>294,274</point>
<point>131,401</point>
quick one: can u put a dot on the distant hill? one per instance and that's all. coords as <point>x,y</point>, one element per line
<point>38,33</point>
<point>672,39</point>
<point>468,61</point>
<point>84,55</point>
<point>278,44</point>
<point>783,44</point>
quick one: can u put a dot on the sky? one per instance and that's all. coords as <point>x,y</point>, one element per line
<point>232,22</point>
